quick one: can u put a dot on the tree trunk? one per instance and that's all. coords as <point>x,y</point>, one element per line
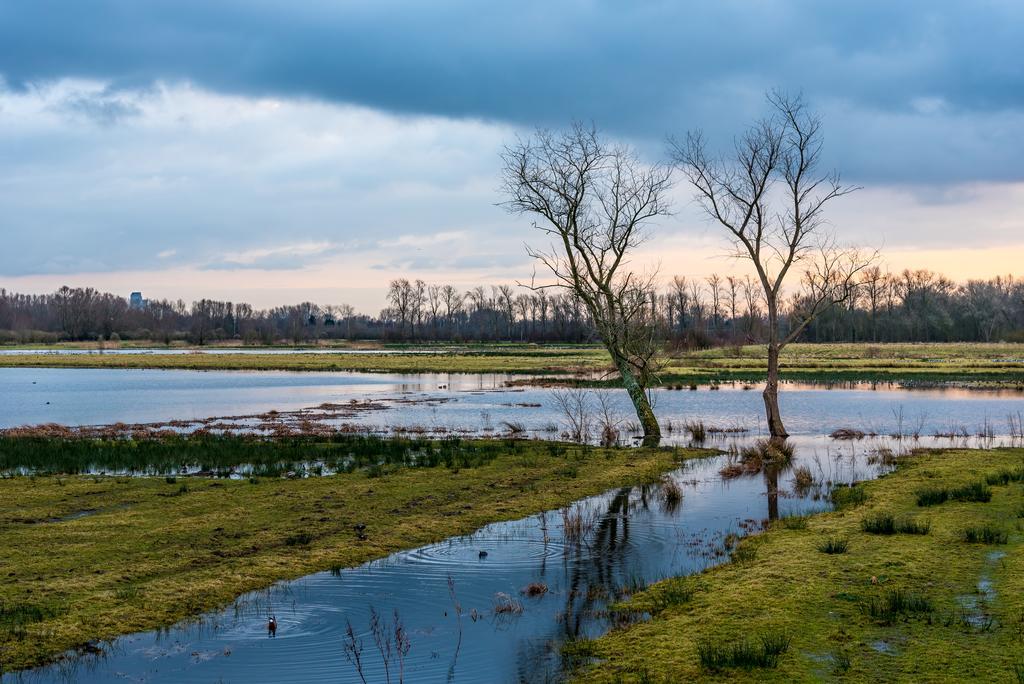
<point>771,395</point>
<point>771,478</point>
<point>652,432</point>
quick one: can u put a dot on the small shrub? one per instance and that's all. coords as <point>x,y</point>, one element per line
<point>985,534</point>
<point>170,479</point>
<point>879,523</point>
<point>834,546</point>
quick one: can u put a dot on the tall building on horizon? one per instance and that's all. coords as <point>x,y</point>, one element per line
<point>135,301</point>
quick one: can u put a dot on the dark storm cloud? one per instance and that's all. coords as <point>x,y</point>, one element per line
<point>638,68</point>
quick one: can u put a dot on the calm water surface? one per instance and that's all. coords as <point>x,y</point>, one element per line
<point>474,403</point>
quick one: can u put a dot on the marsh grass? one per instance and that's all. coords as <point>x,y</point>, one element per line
<point>504,604</point>
<point>697,430</point>
<point>847,496</point>
<point>985,534</point>
<point>897,603</point>
<point>671,492</point>
<point>974,492</point>
<point>744,553</point>
<point>833,546</point>
<point>127,593</point>
<point>15,618</point>
<point>767,451</point>
<point>300,539</point>
<point>887,524</point>
<point>879,523</point>
<point>795,522</point>
<point>257,456</point>
<point>803,478</point>
<point>746,654</point>
<point>1005,477</point>
<point>841,662</point>
<point>907,525</point>
<point>668,594</point>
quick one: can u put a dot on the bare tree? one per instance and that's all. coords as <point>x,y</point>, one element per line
<point>594,201</point>
<point>715,285</point>
<point>770,196</point>
<point>733,292</point>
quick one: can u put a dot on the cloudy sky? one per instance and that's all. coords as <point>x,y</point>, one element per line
<point>273,152</point>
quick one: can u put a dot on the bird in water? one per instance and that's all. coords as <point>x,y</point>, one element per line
<point>272,627</point>
<point>482,555</point>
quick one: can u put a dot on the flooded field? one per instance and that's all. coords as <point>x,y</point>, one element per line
<point>497,605</point>
<point>475,404</point>
<point>494,606</point>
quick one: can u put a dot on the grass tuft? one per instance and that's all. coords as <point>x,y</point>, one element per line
<point>932,496</point>
<point>896,603</point>
<point>912,526</point>
<point>887,523</point>
<point>879,523</point>
<point>834,546</point>
<point>744,553</point>
<point>745,653</point>
<point>974,492</point>
<point>795,522</point>
<point>847,496</point>
<point>985,534</point>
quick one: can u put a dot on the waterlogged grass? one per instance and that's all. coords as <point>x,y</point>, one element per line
<point>89,557</point>
<point>225,455</point>
<point>891,607</point>
<point>995,365</point>
<point>533,360</point>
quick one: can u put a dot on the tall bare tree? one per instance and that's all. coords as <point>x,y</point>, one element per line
<point>770,195</point>
<point>594,200</point>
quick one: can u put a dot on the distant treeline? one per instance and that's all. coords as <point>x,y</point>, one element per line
<point>912,306</point>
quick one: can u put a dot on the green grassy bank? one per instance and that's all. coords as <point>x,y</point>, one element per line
<point>921,581</point>
<point>976,365</point>
<point>92,557</point>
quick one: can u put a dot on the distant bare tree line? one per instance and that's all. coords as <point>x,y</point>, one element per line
<point>689,312</point>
